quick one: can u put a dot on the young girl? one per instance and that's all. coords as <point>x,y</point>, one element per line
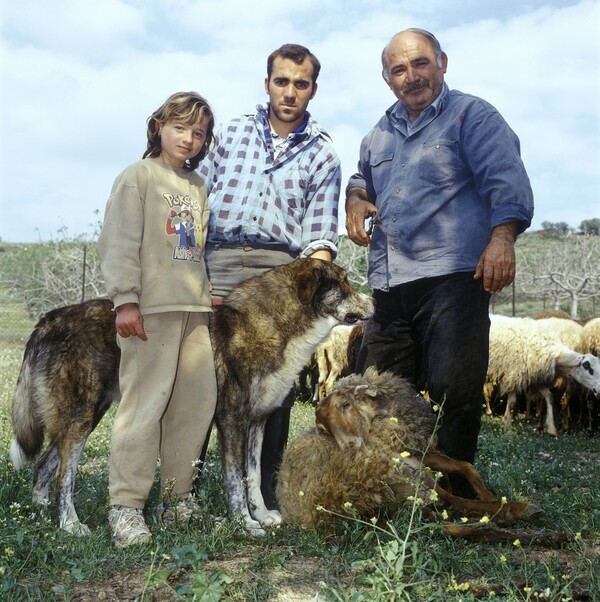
<point>151,250</point>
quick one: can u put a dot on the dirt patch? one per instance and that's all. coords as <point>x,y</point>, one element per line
<point>568,558</point>
<point>299,581</point>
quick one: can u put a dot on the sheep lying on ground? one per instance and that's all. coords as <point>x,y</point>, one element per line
<point>375,448</point>
<point>522,357</point>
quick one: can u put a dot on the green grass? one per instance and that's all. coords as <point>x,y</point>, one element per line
<point>409,559</point>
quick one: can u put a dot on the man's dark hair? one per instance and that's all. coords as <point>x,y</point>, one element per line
<point>296,53</point>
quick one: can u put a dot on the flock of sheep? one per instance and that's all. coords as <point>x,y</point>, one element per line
<point>548,363</point>
<point>552,357</point>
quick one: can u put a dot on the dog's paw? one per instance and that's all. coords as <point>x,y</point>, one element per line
<point>75,527</point>
<point>274,519</point>
<point>268,518</point>
<point>41,499</point>
<point>254,528</point>
<point>256,532</point>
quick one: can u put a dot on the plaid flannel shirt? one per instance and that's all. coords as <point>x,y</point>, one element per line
<point>256,196</point>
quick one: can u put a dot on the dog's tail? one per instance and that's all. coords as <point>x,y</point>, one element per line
<point>17,455</point>
<point>27,425</point>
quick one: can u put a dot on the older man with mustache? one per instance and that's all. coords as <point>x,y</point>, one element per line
<point>442,179</point>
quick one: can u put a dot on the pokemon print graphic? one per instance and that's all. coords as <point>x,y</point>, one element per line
<point>181,222</point>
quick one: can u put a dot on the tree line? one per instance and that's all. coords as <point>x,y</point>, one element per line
<point>589,227</point>
<point>554,271</point>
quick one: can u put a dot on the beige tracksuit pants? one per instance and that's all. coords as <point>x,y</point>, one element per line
<point>168,397</point>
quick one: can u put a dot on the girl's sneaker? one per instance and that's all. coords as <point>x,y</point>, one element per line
<point>128,526</point>
<point>180,513</point>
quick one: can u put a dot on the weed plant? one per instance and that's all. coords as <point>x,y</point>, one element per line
<point>400,557</point>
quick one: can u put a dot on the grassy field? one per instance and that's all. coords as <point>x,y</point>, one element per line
<point>213,559</point>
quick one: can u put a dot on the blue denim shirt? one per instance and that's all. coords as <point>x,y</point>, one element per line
<point>441,184</point>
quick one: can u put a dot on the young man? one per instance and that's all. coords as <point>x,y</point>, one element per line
<point>442,174</point>
<point>273,182</point>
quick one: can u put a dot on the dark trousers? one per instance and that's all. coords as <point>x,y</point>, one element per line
<point>274,444</point>
<point>435,332</point>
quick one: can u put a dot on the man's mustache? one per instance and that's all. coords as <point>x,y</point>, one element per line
<point>415,86</point>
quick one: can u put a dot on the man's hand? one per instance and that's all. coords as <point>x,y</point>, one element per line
<point>130,321</point>
<point>358,208</point>
<point>497,264</point>
<point>324,254</point>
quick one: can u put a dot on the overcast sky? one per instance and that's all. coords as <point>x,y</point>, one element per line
<point>79,79</point>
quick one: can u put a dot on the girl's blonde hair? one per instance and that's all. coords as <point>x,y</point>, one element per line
<point>188,107</point>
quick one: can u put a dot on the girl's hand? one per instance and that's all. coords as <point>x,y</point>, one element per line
<point>130,321</point>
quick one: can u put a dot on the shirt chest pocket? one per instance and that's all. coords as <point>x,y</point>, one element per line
<point>381,166</point>
<point>439,162</point>
<point>289,184</point>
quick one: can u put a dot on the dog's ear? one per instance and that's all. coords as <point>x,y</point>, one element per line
<point>306,285</point>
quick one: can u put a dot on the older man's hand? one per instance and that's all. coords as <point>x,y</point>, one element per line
<point>497,264</point>
<point>358,209</point>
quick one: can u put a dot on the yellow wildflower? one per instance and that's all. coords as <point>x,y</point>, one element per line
<point>405,454</point>
<point>301,493</point>
<point>485,519</point>
<point>517,543</point>
<point>347,505</point>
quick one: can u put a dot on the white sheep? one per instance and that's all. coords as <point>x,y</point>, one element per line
<point>590,343</point>
<point>589,340</point>
<point>523,357</point>
<point>564,391</point>
<point>566,330</point>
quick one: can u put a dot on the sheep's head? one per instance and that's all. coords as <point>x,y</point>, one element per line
<point>346,415</point>
<point>590,373</point>
<point>585,369</point>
